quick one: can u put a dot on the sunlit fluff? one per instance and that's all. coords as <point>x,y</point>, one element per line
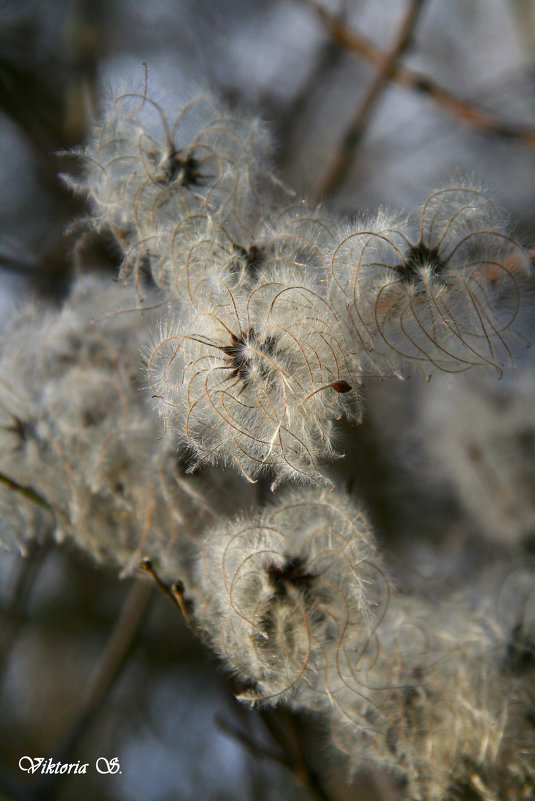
<point>143,167</point>
<point>444,711</point>
<point>440,293</point>
<point>76,430</point>
<point>283,592</point>
<point>189,255</point>
<point>256,380</point>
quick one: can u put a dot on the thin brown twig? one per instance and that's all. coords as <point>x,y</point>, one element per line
<point>309,777</point>
<point>146,566</point>
<point>363,113</point>
<point>14,613</point>
<point>290,752</point>
<point>26,492</point>
<point>278,733</point>
<point>464,110</point>
<point>177,590</point>
<point>111,661</point>
<point>326,62</point>
<point>255,748</point>
<point>119,643</point>
<point>175,593</point>
<point>108,670</point>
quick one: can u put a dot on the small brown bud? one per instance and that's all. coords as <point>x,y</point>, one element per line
<point>341,386</point>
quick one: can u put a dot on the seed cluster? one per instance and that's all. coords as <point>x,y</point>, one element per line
<point>254,318</point>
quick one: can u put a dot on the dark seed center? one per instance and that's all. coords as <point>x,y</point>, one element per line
<point>293,572</point>
<point>418,258</point>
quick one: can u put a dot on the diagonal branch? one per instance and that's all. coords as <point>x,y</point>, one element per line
<point>113,658</point>
<point>254,747</point>
<point>387,64</point>
<point>13,615</point>
<point>26,492</point>
<point>175,593</point>
<point>465,111</point>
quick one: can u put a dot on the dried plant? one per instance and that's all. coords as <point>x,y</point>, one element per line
<point>441,294</point>
<point>71,398</point>
<point>250,319</point>
<point>256,380</point>
<point>285,594</point>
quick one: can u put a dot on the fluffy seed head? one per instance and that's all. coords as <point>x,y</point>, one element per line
<point>256,380</point>
<point>440,293</point>
<point>81,446</point>
<point>144,167</point>
<point>285,590</point>
<point>481,436</point>
<point>443,711</point>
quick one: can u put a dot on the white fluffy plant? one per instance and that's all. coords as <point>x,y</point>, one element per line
<point>439,292</point>
<point>191,253</point>
<point>256,379</point>
<point>266,315</point>
<point>291,597</point>
<point>276,311</point>
<point>297,602</point>
<point>447,710</point>
<point>79,441</point>
<point>143,171</point>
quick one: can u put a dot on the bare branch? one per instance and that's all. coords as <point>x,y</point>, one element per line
<point>464,110</point>
<point>26,492</point>
<point>357,127</point>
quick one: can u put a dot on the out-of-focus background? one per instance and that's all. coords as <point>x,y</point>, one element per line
<point>91,666</point>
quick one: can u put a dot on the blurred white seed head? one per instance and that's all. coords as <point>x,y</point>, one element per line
<point>76,430</point>
<point>444,708</point>
<point>481,436</point>
<point>283,592</point>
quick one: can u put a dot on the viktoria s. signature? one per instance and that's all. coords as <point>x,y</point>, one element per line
<point>43,765</point>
